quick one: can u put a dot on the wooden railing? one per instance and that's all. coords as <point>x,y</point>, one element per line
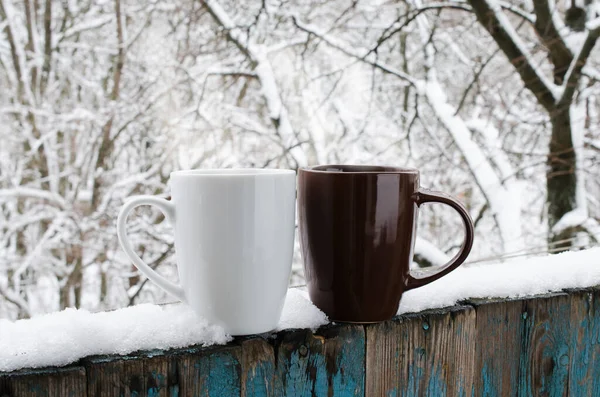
<point>547,345</point>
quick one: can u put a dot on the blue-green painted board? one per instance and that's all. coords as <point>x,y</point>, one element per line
<point>429,354</point>
<point>584,371</point>
<point>498,347</point>
<point>328,364</point>
<point>211,372</point>
<point>258,369</point>
<point>545,354</point>
<point>580,344</point>
<point>594,314</point>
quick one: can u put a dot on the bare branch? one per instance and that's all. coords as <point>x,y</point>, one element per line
<point>518,11</point>
<point>107,143</point>
<point>48,196</point>
<point>367,57</point>
<point>489,14</point>
<point>15,299</point>
<point>574,73</point>
<point>544,25</point>
<point>47,45</point>
<point>591,73</point>
<point>257,55</point>
<point>13,49</point>
<point>31,42</point>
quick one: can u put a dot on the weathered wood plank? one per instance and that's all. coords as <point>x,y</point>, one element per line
<point>345,357</point>
<point>301,363</point>
<point>210,372</point>
<point>136,376</point>
<point>58,382</point>
<point>258,369</point>
<point>584,371</point>
<point>594,314</point>
<point>499,326</point>
<point>326,364</point>
<point>545,354</point>
<point>580,381</point>
<point>429,354</point>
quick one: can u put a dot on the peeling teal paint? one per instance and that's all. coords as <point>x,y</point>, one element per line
<point>594,316</point>
<point>489,389</point>
<point>415,375</point>
<point>436,387</point>
<point>153,392</point>
<point>335,368</point>
<point>582,375</point>
<point>218,373</point>
<point>546,339</point>
<point>260,380</point>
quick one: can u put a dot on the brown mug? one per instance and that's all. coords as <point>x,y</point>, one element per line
<point>357,229</point>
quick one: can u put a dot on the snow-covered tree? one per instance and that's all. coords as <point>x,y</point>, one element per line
<point>494,101</point>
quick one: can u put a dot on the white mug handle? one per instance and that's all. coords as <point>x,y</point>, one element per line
<point>168,209</point>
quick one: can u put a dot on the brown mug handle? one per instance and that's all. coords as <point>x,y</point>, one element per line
<point>424,196</point>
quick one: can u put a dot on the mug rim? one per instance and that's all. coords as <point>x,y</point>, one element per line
<point>353,169</point>
<point>240,172</point>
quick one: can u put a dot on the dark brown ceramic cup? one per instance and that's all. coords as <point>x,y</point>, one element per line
<point>357,229</point>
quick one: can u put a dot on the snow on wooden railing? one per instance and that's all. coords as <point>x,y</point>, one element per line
<point>547,345</point>
<point>538,345</point>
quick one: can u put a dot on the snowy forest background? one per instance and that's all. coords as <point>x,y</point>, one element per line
<point>496,102</point>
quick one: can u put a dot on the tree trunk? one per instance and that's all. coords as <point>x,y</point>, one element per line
<point>561,178</point>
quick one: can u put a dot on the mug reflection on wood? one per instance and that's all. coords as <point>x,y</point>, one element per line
<point>357,227</point>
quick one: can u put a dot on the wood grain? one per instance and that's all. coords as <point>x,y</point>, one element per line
<point>56,382</point>
<point>136,376</point>
<point>258,369</point>
<point>499,327</point>
<point>545,354</point>
<point>594,337</point>
<point>210,372</point>
<point>428,354</point>
<point>584,370</point>
<point>302,363</point>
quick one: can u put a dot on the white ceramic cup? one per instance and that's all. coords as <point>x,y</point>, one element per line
<point>234,241</point>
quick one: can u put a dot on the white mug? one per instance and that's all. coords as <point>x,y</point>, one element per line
<point>234,241</point>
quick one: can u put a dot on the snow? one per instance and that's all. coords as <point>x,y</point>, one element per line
<point>574,40</point>
<point>593,24</point>
<point>571,219</point>
<point>429,251</point>
<point>64,337</point>
<point>299,312</point>
<point>514,279</point>
<point>292,88</point>
<point>492,139</point>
